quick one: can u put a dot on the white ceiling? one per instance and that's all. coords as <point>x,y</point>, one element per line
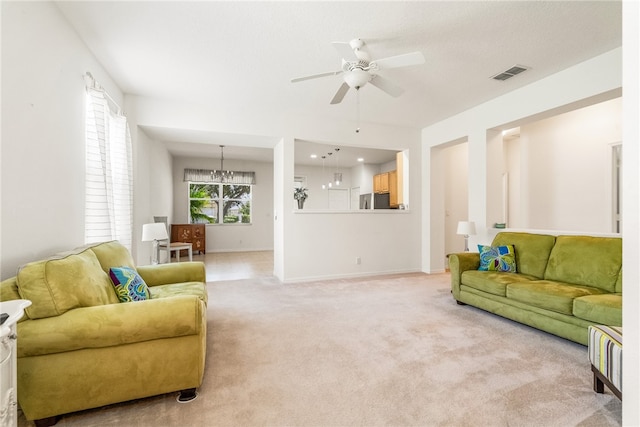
<point>240,54</point>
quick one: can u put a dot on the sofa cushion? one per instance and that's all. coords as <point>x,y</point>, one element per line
<point>112,254</point>
<point>586,260</point>
<point>497,258</point>
<point>129,285</point>
<point>493,282</point>
<point>549,295</point>
<point>618,287</point>
<point>197,289</point>
<point>603,309</point>
<point>64,282</point>
<point>532,250</point>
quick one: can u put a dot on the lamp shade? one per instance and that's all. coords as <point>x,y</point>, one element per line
<point>466,228</point>
<point>154,231</point>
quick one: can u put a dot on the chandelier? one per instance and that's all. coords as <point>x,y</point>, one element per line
<point>221,175</point>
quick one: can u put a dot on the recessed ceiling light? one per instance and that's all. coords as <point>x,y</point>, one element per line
<point>314,156</point>
<point>360,159</point>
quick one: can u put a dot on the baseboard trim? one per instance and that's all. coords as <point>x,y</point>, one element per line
<point>349,276</point>
<point>216,251</point>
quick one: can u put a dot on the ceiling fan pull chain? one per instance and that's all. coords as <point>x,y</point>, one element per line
<point>358,110</point>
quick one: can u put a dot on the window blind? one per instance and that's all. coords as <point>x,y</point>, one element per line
<point>109,175</point>
<point>210,175</point>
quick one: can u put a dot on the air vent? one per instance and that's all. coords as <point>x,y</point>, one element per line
<point>516,69</point>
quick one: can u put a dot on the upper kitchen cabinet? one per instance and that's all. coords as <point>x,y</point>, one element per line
<point>392,182</point>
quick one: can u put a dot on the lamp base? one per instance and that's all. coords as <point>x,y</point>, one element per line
<point>466,243</point>
<point>155,254</point>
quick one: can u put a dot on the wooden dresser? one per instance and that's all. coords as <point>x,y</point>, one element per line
<point>190,233</point>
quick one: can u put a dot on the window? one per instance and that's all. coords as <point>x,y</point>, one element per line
<point>219,203</point>
<point>108,173</point>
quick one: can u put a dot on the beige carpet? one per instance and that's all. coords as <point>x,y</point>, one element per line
<point>385,351</point>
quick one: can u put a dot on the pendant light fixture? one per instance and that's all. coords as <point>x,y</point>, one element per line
<point>324,186</point>
<point>330,182</point>
<point>337,176</point>
<point>221,175</point>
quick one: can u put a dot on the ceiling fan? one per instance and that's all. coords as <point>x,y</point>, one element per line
<point>358,69</point>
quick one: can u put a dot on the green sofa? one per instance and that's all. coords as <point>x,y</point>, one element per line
<point>562,284</point>
<point>79,347</point>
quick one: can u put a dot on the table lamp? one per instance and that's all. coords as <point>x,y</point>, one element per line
<point>466,228</point>
<point>152,233</point>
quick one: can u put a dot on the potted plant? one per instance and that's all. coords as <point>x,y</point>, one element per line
<point>300,194</point>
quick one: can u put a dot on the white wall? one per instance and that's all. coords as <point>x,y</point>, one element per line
<point>513,155</point>
<point>282,173</point>
<point>456,195</point>
<point>230,237</point>
<point>631,212</point>
<point>153,189</point>
<point>388,167</point>
<point>326,244</point>
<point>566,169</point>
<point>43,99</point>
<point>552,164</point>
<point>366,173</point>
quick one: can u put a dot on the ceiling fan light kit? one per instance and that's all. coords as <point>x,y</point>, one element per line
<point>357,78</point>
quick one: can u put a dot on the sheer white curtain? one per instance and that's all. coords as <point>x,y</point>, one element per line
<point>109,176</point>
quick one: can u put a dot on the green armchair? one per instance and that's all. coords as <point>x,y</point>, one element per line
<point>79,347</point>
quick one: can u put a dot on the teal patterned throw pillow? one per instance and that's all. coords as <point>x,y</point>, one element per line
<point>129,285</point>
<point>497,258</point>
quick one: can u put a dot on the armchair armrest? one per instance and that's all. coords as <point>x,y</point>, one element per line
<point>112,325</point>
<point>165,274</point>
<point>458,264</point>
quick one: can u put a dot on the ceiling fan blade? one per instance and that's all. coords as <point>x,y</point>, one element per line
<point>345,51</point>
<point>342,91</point>
<point>413,58</point>
<point>315,76</point>
<point>386,86</point>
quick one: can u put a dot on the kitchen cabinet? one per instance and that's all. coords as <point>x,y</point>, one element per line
<point>393,189</point>
<point>392,183</point>
<point>381,183</point>
<point>190,233</point>
<point>387,183</point>
<point>400,171</point>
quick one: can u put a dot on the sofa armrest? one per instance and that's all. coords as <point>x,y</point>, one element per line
<point>458,264</point>
<point>112,325</point>
<point>165,274</point>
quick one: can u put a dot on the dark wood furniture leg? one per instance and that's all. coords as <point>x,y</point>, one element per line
<point>599,381</point>
<point>47,422</point>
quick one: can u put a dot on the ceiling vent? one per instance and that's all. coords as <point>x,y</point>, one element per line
<point>516,69</point>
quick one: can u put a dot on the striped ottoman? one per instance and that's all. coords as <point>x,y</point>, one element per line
<point>605,355</point>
